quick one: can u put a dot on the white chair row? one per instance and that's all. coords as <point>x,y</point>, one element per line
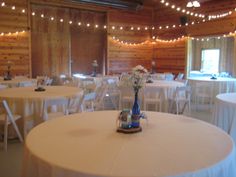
<point>155,97</point>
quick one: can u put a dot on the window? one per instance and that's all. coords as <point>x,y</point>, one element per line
<point>210,60</point>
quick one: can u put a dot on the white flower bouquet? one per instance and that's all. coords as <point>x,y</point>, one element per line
<point>137,77</point>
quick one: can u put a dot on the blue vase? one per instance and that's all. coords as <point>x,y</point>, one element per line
<point>136,112</point>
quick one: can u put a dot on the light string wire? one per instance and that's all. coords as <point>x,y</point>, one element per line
<point>198,15</point>
<point>130,28</point>
<point>112,27</point>
<point>157,39</point>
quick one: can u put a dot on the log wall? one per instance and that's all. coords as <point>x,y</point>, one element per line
<point>122,57</point>
<point>15,47</point>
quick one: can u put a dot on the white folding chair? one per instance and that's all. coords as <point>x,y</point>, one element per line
<point>182,96</point>
<point>111,100</point>
<point>180,77</point>
<point>88,102</point>
<point>153,96</point>
<point>6,119</point>
<point>203,94</point>
<point>126,96</point>
<point>100,96</point>
<point>169,76</point>
<point>53,108</point>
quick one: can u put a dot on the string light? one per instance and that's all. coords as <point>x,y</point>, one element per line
<point>121,42</point>
<point>157,39</point>
<point>12,33</point>
<point>3,4</point>
<point>167,27</point>
<point>170,40</point>
<point>210,16</point>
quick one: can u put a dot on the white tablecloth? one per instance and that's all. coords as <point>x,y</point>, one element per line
<point>219,85</point>
<point>87,145</point>
<point>168,89</point>
<point>224,114</point>
<point>29,104</point>
<point>16,82</point>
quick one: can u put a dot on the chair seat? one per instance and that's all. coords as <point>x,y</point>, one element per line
<point>3,117</point>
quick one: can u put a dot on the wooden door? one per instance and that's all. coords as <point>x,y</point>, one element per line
<point>88,43</point>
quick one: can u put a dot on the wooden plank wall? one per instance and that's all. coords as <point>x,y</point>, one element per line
<point>14,48</point>
<point>122,57</point>
<point>58,47</point>
<point>50,41</point>
<point>170,56</point>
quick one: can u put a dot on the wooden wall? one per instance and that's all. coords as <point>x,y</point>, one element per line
<point>61,48</point>
<point>170,56</point>
<point>15,48</point>
<point>122,57</point>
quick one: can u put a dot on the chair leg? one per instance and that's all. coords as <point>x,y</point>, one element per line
<point>5,135</point>
<point>177,107</point>
<point>189,107</point>
<point>17,131</point>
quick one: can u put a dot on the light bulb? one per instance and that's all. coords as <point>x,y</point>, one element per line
<point>196,4</point>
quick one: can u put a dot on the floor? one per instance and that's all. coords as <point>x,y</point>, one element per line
<point>11,161</point>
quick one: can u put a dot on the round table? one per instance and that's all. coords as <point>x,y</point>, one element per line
<point>224,113</point>
<point>87,144</point>
<point>219,85</point>
<point>29,103</point>
<point>16,82</point>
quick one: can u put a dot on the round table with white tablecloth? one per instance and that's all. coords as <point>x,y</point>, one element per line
<point>17,82</point>
<point>87,144</point>
<point>29,103</point>
<point>218,85</point>
<point>224,113</point>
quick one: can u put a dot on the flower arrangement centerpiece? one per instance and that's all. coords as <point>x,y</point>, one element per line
<point>95,65</point>
<point>137,80</point>
<point>129,121</point>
